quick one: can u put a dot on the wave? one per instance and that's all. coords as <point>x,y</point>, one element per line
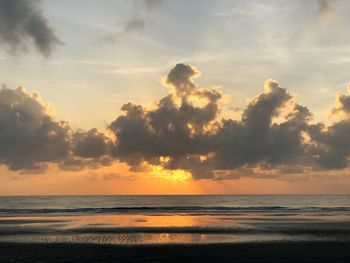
<point>177,209</point>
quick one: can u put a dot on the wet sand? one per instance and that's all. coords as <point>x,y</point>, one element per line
<point>241,252</point>
<point>248,237</point>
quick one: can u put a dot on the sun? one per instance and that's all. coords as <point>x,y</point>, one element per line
<point>170,175</point>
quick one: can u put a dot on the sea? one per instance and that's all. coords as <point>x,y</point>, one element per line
<point>173,219</point>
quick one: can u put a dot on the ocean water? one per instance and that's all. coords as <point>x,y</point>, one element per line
<point>133,220</point>
<point>177,203</point>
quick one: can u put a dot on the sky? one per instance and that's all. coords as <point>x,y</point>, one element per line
<point>174,97</point>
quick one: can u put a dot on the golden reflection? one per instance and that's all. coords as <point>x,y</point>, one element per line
<point>136,220</point>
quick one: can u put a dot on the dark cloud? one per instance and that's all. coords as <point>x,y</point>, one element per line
<point>274,133</point>
<point>181,77</point>
<point>90,144</point>
<point>256,139</point>
<point>332,147</point>
<point>22,22</point>
<point>31,137</point>
<point>273,138</point>
<point>176,128</point>
<point>191,136</point>
<point>342,105</point>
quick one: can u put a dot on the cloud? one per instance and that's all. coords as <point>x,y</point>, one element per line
<point>181,78</point>
<point>274,137</point>
<point>332,144</point>
<point>90,144</point>
<point>256,139</point>
<point>176,128</point>
<point>274,133</point>
<point>21,23</point>
<point>342,106</point>
<point>143,13</point>
<point>31,137</point>
<point>185,129</point>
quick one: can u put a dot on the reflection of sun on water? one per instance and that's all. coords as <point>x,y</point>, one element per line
<point>171,175</point>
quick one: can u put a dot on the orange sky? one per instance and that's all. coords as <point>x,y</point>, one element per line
<point>92,182</point>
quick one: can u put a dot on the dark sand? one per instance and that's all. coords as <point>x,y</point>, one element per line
<point>243,252</point>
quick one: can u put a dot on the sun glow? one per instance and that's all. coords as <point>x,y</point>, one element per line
<point>171,175</point>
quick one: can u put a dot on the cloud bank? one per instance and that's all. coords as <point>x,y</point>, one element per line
<point>22,22</point>
<point>184,130</point>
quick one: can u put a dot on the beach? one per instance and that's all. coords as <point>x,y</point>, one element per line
<point>165,229</point>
